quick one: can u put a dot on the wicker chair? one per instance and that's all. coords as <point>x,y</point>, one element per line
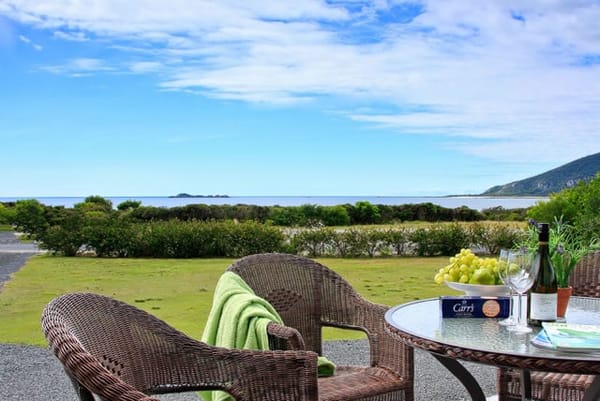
<point>545,386</point>
<point>309,296</point>
<point>122,353</point>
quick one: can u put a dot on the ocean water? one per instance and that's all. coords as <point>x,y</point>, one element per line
<point>472,202</point>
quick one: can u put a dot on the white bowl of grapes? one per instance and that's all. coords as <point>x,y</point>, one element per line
<point>474,275</point>
<point>481,290</point>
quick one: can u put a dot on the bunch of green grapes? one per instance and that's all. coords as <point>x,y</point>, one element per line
<point>466,267</point>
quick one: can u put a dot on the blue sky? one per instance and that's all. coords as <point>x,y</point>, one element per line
<point>269,97</point>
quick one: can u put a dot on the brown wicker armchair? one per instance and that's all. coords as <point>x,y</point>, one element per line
<point>309,296</point>
<point>545,386</point>
<point>122,353</point>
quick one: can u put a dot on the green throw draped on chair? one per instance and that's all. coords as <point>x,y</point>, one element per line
<point>239,319</point>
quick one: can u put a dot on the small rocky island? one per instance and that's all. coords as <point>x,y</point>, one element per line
<point>184,195</point>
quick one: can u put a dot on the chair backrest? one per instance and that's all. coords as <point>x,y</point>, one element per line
<point>118,351</point>
<point>306,294</point>
<point>585,277</point>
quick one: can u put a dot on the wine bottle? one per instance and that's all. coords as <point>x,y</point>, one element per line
<point>541,305</point>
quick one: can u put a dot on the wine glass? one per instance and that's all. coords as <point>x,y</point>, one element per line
<point>503,273</point>
<point>520,278</point>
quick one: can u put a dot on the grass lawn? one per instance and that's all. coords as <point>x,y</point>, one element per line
<point>180,291</point>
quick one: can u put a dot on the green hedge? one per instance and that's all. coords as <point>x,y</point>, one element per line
<point>435,240</point>
<point>165,239</point>
<point>94,226</point>
<point>111,237</point>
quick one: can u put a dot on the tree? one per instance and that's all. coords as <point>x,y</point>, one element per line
<point>7,214</point>
<point>128,205</point>
<point>30,217</point>
<point>587,221</point>
<point>64,235</point>
<point>95,203</point>
<point>578,206</point>
<point>365,212</point>
<point>334,215</point>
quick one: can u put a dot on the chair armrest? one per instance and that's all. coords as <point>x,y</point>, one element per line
<point>385,350</point>
<point>82,367</point>
<point>247,375</point>
<point>284,338</point>
<point>270,375</point>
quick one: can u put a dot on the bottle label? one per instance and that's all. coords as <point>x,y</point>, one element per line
<point>543,306</point>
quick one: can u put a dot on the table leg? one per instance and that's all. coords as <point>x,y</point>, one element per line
<point>593,391</point>
<point>462,374</point>
<point>525,385</point>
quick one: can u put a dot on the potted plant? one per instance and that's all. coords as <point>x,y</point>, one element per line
<point>566,250</point>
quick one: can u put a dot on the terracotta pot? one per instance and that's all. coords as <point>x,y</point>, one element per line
<point>563,295</point>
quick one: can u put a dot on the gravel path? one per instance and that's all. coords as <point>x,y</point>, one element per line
<point>13,254</point>
<point>34,374</point>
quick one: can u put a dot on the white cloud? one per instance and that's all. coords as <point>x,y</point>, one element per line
<point>508,74</point>
<point>29,42</point>
<point>79,67</point>
<point>142,67</point>
<point>71,36</point>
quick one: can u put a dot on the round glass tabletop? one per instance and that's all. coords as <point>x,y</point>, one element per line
<point>422,319</point>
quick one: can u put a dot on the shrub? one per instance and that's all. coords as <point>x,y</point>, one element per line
<point>148,232</point>
<point>578,206</point>
<point>285,216</point>
<point>421,241</point>
<point>397,239</point>
<point>430,212</point>
<point>250,238</point>
<point>364,212</point>
<point>64,236</point>
<point>494,237</point>
<point>375,242</point>
<point>128,205</point>
<point>149,213</point>
<point>166,239</point>
<point>95,203</point>
<point>449,239</point>
<point>339,244</point>
<point>176,239</point>
<point>440,239</point>
<point>334,216</point>
<point>356,241</point>
<point>463,213</point>
<point>310,215</point>
<point>313,242</point>
<point>501,214</point>
<point>59,240</point>
<point>563,204</point>
<point>7,214</point>
<point>200,212</point>
<point>29,217</point>
<point>106,235</point>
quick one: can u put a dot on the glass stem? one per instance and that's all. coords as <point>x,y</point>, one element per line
<point>519,319</point>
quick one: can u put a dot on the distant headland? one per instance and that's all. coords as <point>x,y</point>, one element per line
<point>184,195</point>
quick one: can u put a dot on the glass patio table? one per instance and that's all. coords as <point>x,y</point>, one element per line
<point>420,325</point>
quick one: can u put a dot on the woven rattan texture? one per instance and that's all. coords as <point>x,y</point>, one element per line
<point>310,296</point>
<point>585,280</point>
<point>122,353</point>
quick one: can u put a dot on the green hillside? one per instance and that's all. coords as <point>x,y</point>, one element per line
<point>551,181</point>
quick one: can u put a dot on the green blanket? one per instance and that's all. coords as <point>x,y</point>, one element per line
<point>239,319</point>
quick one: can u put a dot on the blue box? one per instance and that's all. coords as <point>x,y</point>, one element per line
<point>475,306</point>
